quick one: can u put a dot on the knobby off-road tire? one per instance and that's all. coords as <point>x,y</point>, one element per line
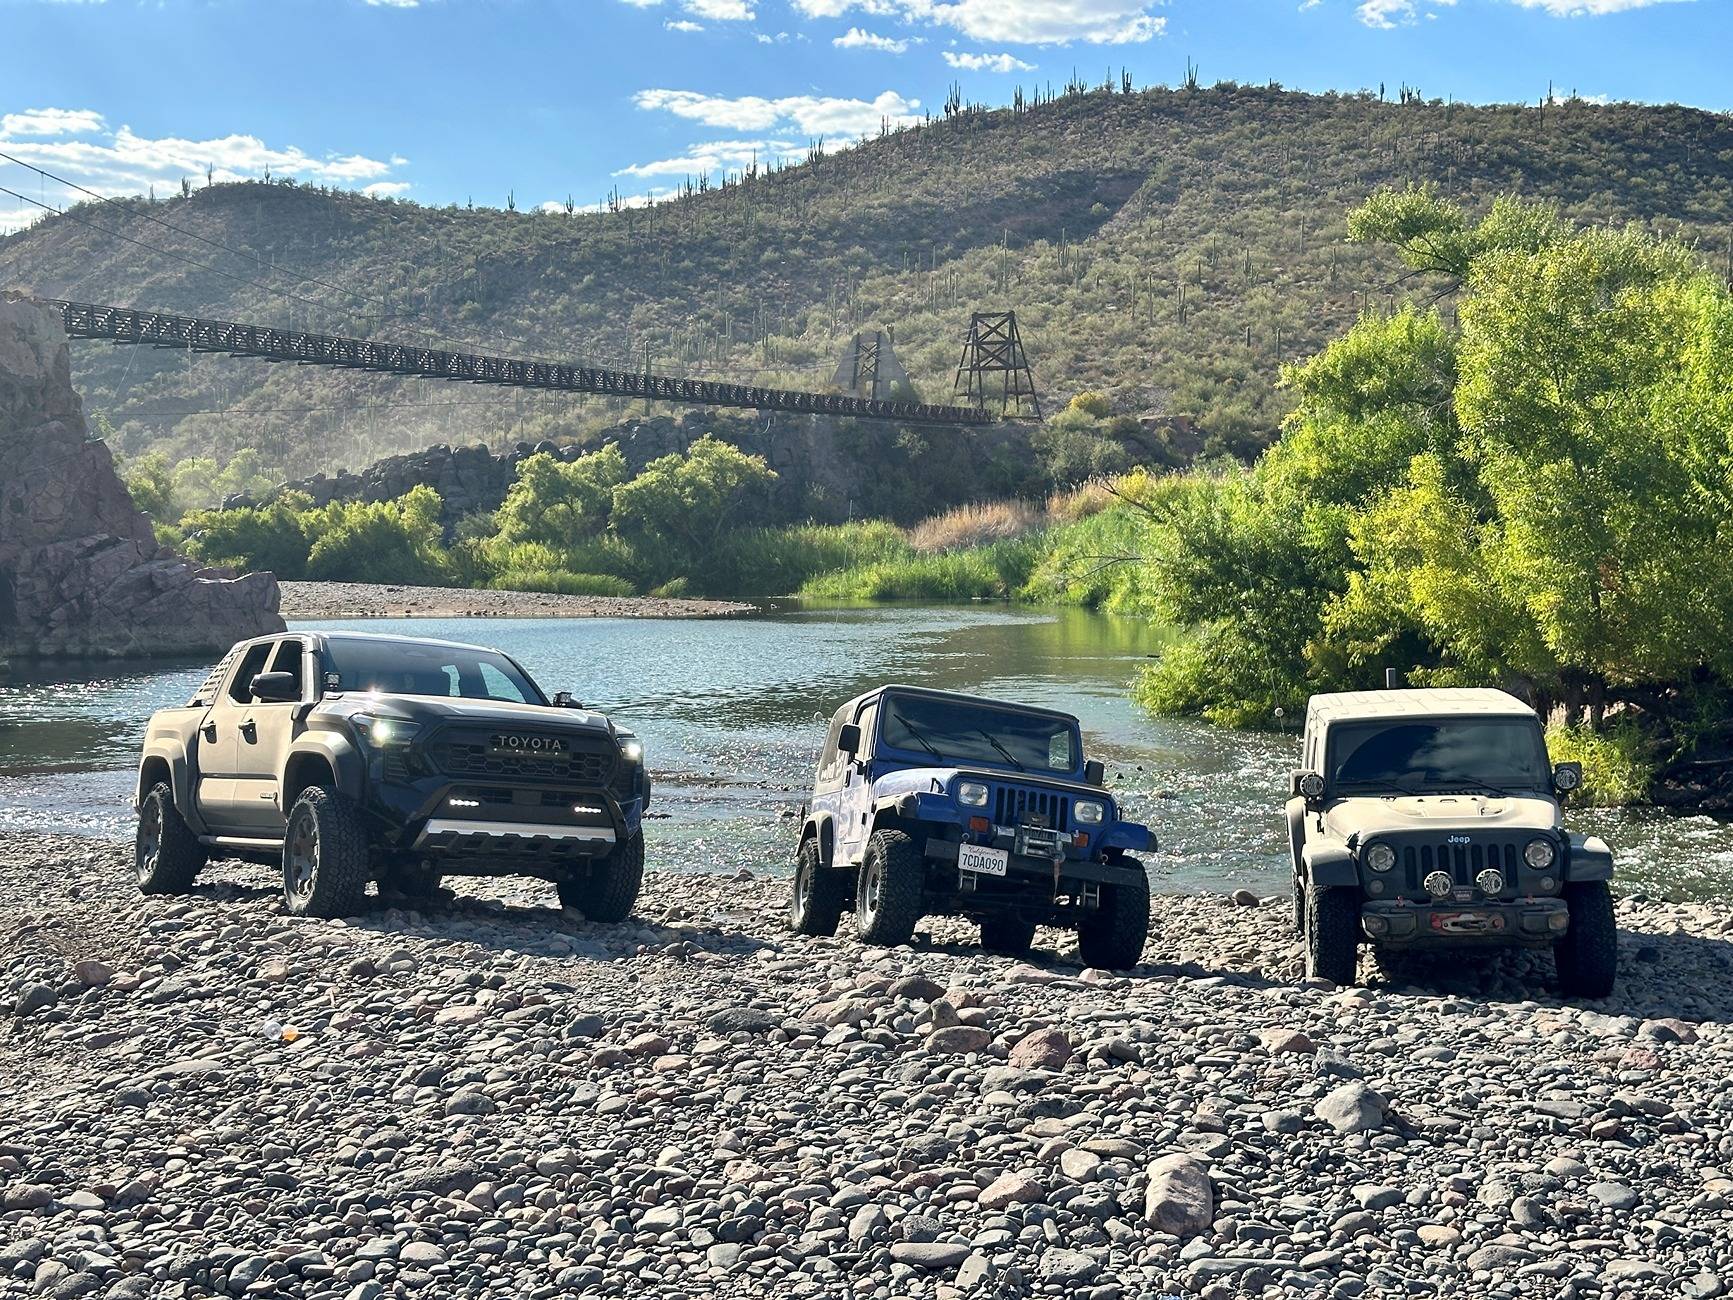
<point>608,890</point>
<point>820,894</point>
<point>166,855</point>
<point>1332,934</point>
<point>1299,908</point>
<point>1008,936</point>
<point>888,893</point>
<point>325,859</point>
<point>1112,936</point>
<point>1588,955</point>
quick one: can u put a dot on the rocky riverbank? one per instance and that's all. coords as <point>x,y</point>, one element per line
<point>492,1098</point>
<point>313,600</point>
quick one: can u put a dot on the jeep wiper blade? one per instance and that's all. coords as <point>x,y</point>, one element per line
<point>1005,753</point>
<point>1474,782</point>
<point>925,743</point>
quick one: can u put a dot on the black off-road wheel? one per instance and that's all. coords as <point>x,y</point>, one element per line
<point>1112,936</point>
<point>888,893</point>
<point>1299,908</point>
<point>326,863</point>
<point>607,890</point>
<point>166,855</point>
<point>1332,934</point>
<point>820,894</point>
<point>1008,936</point>
<point>1588,955</point>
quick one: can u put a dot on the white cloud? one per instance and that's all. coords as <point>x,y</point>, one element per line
<point>1016,22</point>
<point>987,62</point>
<point>718,156</point>
<point>393,4</point>
<point>809,114</point>
<point>83,149</point>
<point>386,189</point>
<point>721,11</point>
<point>858,38</point>
<point>50,121</point>
<point>682,25</point>
<point>1587,8</point>
<point>1386,13</point>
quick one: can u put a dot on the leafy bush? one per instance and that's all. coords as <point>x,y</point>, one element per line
<point>1619,764</point>
<point>382,541</point>
<point>560,503</point>
<point>563,584</point>
<point>269,538</point>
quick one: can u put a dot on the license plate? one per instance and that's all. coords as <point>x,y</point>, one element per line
<point>1467,922</point>
<point>984,861</point>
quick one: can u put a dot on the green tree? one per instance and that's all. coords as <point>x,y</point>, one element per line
<point>676,511</point>
<point>271,537</point>
<point>379,541</point>
<point>560,503</point>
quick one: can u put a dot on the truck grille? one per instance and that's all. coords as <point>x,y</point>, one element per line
<point>1463,861</point>
<point>1014,805</point>
<point>587,762</point>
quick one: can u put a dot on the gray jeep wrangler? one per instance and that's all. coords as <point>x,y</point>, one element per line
<point>1432,818</point>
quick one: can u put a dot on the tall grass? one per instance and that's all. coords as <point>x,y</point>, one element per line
<point>563,583</point>
<point>975,525</point>
<point>996,571</point>
<point>781,561</point>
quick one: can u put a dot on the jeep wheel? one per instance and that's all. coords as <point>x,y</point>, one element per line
<point>1332,934</point>
<point>888,894</point>
<point>1008,936</point>
<point>819,896</point>
<point>1588,955</point>
<point>1112,936</point>
<point>607,890</point>
<point>166,854</point>
<point>325,858</point>
<point>1299,908</point>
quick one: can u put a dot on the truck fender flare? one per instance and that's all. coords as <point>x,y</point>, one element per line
<point>1328,866</point>
<point>822,828</point>
<point>180,780</point>
<point>336,753</point>
<point>1589,858</point>
<point>1296,831</point>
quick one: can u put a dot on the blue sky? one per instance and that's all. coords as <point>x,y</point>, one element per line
<point>458,100</point>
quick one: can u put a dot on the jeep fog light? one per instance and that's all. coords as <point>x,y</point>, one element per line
<point>1380,857</point>
<point>1438,884</point>
<point>1558,920</point>
<point>1539,854</point>
<point>972,793</point>
<point>1490,881</point>
<point>1089,812</point>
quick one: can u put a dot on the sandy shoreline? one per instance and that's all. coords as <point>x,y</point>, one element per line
<point>318,600</point>
<point>493,1098</point>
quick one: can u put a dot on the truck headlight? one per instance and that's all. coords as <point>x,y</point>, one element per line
<point>632,751</point>
<point>383,731</point>
<point>1380,857</point>
<point>1089,812</point>
<point>1539,854</point>
<point>971,794</point>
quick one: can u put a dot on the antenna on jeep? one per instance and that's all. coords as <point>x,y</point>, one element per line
<point>1392,679</point>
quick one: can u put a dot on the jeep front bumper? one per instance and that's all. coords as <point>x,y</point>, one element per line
<point>1022,866</point>
<point>1524,921</point>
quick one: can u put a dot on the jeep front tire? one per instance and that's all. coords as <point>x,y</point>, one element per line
<point>167,856</point>
<point>1112,936</point>
<point>888,894</point>
<point>1588,955</point>
<point>607,890</point>
<point>325,859</point>
<point>1332,934</point>
<point>819,896</point>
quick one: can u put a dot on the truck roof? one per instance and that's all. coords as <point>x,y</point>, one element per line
<point>1461,701</point>
<point>960,696</point>
<point>320,634</point>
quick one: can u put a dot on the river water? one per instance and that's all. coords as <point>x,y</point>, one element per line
<point>732,712</point>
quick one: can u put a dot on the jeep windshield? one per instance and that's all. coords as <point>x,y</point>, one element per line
<point>417,668</point>
<point>964,733</point>
<point>1438,755</point>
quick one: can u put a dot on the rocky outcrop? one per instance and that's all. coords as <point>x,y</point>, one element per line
<point>80,572</point>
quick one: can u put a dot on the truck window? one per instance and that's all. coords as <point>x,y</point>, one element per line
<point>961,731</point>
<point>1439,754</point>
<point>252,664</point>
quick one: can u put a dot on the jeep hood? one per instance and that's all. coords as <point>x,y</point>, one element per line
<point>1424,814</point>
<point>430,709</point>
<point>919,779</point>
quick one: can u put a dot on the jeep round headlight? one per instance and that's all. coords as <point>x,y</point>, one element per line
<point>1311,786</point>
<point>972,793</point>
<point>1539,854</point>
<point>1438,884</point>
<point>1380,857</point>
<point>1089,812</point>
<point>1490,881</point>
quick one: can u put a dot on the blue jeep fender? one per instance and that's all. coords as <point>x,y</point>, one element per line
<point>1328,866</point>
<point>1129,837</point>
<point>822,828</point>
<point>1590,858</point>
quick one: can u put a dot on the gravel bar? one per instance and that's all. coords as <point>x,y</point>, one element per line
<point>492,1098</point>
<point>314,600</point>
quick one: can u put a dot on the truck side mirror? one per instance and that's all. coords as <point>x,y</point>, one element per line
<point>848,740</point>
<point>1567,777</point>
<point>564,700</point>
<point>275,688</point>
<point>1094,772</point>
<point>1306,785</point>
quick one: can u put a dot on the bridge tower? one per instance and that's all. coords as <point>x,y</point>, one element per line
<point>869,368</point>
<point>994,346</point>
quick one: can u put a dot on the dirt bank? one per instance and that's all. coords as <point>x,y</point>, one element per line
<point>310,600</point>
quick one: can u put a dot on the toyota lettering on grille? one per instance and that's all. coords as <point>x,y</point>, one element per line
<point>535,746</point>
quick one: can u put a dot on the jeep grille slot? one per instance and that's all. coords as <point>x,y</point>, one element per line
<point>1013,805</point>
<point>586,762</point>
<point>1463,861</point>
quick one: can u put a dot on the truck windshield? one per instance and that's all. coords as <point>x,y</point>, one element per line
<point>1439,754</point>
<point>416,668</point>
<point>979,733</point>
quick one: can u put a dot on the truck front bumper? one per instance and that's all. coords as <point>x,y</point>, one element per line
<point>1021,866</point>
<point>1529,921</point>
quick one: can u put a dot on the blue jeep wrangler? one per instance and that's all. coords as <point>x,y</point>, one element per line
<point>930,803</point>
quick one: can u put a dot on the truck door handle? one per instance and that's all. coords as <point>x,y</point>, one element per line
<point>250,729</point>
<point>209,731</point>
